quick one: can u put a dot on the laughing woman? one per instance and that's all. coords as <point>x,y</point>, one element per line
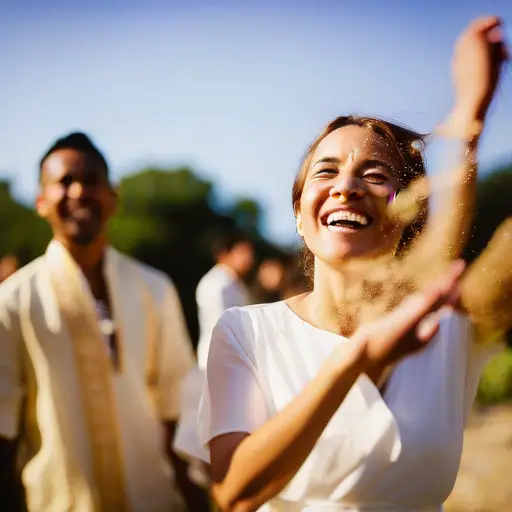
<point>329,400</point>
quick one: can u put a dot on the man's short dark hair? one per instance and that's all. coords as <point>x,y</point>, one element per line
<point>227,241</point>
<point>79,142</point>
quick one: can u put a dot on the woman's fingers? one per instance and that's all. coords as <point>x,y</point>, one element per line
<point>412,323</point>
<point>417,307</point>
<point>445,289</point>
<point>428,327</point>
<point>485,23</point>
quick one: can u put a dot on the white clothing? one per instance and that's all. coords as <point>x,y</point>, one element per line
<point>218,290</point>
<point>397,452</point>
<point>186,441</point>
<point>93,435</point>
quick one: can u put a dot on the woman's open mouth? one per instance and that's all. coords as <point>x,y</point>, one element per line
<point>346,221</point>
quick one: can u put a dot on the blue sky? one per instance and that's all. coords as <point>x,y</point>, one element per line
<point>236,90</point>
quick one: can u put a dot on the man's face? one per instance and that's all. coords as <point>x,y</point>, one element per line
<point>75,196</point>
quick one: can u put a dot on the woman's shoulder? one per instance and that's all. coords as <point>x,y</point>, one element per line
<point>239,333</point>
<point>255,316</point>
<point>255,324</point>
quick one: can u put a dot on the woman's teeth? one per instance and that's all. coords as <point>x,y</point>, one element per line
<point>343,217</point>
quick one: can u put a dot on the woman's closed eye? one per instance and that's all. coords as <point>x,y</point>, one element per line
<point>376,177</point>
<point>325,172</point>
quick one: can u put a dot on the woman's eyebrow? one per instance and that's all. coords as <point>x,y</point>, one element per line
<point>328,160</point>
<point>373,162</point>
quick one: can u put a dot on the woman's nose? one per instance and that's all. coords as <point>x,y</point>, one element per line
<point>347,189</point>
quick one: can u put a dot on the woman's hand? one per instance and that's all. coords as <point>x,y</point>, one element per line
<point>411,325</point>
<point>479,55</point>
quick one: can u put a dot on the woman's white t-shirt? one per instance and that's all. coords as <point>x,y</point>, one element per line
<point>396,452</point>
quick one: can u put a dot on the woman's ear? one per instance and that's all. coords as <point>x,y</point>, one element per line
<point>298,222</point>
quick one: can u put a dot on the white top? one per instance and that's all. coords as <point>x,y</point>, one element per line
<point>219,289</point>
<point>397,452</point>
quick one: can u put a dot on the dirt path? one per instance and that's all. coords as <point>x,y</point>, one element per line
<point>485,478</point>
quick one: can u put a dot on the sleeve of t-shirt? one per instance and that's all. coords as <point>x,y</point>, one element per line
<point>233,399</point>
<point>175,354</point>
<point>11,386</point>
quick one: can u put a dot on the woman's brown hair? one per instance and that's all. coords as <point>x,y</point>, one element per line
<point>409,146</point>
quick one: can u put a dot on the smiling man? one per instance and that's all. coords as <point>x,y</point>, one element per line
<point>93,349</point>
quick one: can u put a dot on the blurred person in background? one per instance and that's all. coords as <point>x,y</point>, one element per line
<point>269,280</point>
<point>8,265</point>
<point>278,278</point>
<point>294,280</point>
<point>221,288</point>
<point>93,350</point>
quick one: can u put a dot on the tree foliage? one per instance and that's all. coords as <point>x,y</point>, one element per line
<point>22,232</point>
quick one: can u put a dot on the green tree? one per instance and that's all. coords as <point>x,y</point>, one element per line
<point>22,232</point>
<point>169,219</point>
<point>246,213</point>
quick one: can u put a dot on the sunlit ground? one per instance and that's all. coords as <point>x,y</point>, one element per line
<point>485,479</point>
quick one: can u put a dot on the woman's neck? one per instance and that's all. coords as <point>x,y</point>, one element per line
<point>338,295</point>
<point>332,305</point>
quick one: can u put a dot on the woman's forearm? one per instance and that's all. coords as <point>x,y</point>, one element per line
<point>453,190</point>
<point>486,294</point>
<point>265,461</point>
<point>454,206</point>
